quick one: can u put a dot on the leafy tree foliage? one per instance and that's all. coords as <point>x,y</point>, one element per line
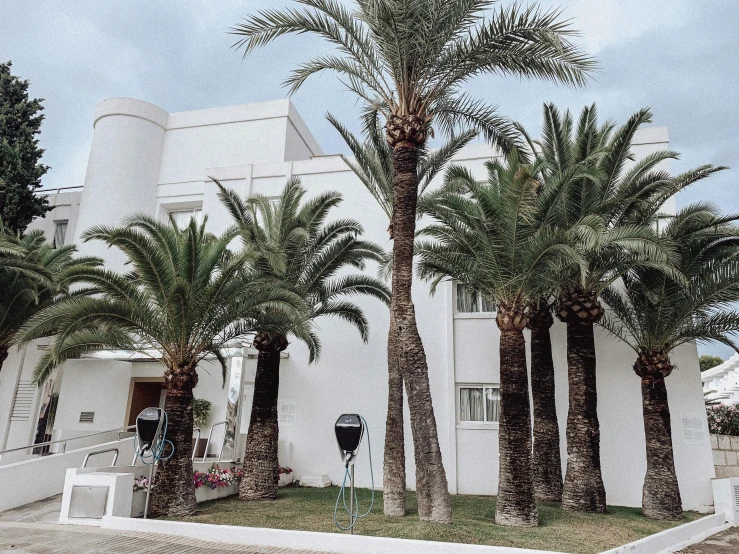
<point>20,155</point>
<point>707,361</point>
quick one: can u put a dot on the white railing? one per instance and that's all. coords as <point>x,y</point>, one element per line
<point>58,190</point>
<point>43,449</point>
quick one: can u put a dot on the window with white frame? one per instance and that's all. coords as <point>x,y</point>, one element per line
<point>479,403</point>
<point>471,301</point>
<point>60,233</point>
<point>182,217</point>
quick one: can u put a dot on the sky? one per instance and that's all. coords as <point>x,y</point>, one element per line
<point>678,57</point>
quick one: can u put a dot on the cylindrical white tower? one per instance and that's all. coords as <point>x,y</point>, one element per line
<point>123,169</point>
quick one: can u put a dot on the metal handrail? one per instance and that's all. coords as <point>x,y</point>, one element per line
<point>210,435</point>
<point>56,190</point>
<point>118,430</point>
<point>194,448</point>
<point>115,458</point>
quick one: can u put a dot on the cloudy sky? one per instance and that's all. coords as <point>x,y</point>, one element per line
<point>679,57</point>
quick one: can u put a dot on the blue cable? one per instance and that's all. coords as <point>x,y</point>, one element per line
<point>342,491</point>
<point>155,454</point>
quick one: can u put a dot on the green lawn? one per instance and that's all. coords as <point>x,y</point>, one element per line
<point>308,509</point>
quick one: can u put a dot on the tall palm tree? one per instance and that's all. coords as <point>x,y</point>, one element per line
<point>585,173</point>
<point>547,461</point>
<point>485,236</point>
<point>290,242</point>
<point>186,297</point>
<point>655,314</point>
<point>408,59</point>
<point>373,165</point>
<point>33,275</point>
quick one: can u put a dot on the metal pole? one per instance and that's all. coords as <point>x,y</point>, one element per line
<point>351,501</point>
<point>148,489</point>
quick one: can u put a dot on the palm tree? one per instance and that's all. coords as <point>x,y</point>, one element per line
<point>547,460</point>
<point>485,236</point>
<point>33,275</point>
<point>655,314</point>
<point>373,164</point>
<point>186,297</point>
<point>290,242</point>
<point>408,59</point>
<point>584,173</point>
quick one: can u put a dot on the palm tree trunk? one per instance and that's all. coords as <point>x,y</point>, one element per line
<point>393,482</point>
<point>515,504</point>
<point>661,493</point>
<point>174,492</point>
<point>547,459</point>
<point>261,466</point>
<point>406,354</point>
<point>583,486</point>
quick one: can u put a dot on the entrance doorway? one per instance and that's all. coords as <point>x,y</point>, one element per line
<point>145,393</point>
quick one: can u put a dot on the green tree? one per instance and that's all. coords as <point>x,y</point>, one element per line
<point>485,235</point>
<point>655,314</point>
<point>184,299</point>
<point>585,173</point>
<point>409,59</point>
<point>291,242</point>
<point>373,165</point>
<point>20,155</point>
<point>707,361</point>
<point>33,275</point>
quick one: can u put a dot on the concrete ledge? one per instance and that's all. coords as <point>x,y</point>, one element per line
<point>677,538</point>
<point>332,542</point>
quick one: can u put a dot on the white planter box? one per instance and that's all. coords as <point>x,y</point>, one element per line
<point>203,494</point>
<point>138,503</point>
<point>285,479</point>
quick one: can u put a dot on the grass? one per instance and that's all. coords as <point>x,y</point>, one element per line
<point>308,509</point>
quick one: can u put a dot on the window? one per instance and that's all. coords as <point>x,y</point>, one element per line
<point>60,233</point>
<point>479,403</point>
<point>471,301</point>
<point>182,217</point>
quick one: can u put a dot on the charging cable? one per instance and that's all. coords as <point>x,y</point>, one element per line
<point>152,454</point>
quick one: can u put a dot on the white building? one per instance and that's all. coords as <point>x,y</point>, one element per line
<point>722,382</point>
<point>145,159</point>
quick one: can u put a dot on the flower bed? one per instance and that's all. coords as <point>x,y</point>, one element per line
<point>209,485</point>
<point>217,477</point>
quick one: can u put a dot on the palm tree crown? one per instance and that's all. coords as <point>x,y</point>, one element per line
<point>408,59</point>
<point>487,237</point>
<point>32,276</point>
<point>291,242</point>
<point>186,297</point>
<point>652,312</point>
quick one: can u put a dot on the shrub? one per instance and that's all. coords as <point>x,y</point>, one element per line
<point>200,412</point>
<point>723,419</point>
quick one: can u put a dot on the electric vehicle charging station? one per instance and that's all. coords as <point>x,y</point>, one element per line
<point>349,430</point>
<point>150,442</point>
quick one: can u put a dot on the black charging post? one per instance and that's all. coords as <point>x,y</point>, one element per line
<point>349,430</point>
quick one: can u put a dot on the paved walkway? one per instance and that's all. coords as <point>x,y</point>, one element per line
<point>726,542</point>
<point>39,538</point>
<point>41,511</point>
